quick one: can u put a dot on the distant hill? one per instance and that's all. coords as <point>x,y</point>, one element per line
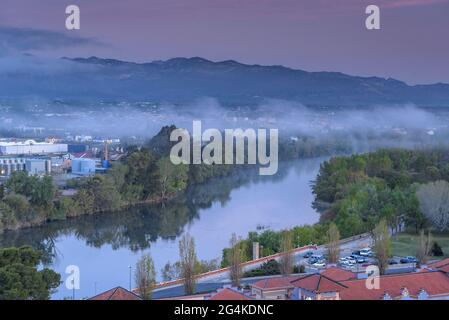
<point>186,79</point>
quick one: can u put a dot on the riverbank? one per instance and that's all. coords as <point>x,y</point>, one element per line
<point>105,245</point>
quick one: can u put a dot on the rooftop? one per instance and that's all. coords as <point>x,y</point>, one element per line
<point>433,282</point>
<point>318,283</point>
<point>275,283</point>
<point>117,293</point>
<point>229,294</point>
<point>338,274</point>
<point>440,264</point>
<point>23,143</point>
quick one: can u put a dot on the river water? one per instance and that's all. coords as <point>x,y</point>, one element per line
<point>105,246</point>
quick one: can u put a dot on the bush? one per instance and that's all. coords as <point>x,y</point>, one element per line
<point>269,268</point>
<point>436,250</point>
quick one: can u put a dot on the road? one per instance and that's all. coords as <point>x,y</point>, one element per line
<point>216,279</point>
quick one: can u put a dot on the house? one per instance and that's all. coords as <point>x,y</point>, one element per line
<point>337,284</point>
<point>317,287</point>
<point>229,294</point>
<point>279,288</point>
<point>425,285</point>
<point>117,293</point>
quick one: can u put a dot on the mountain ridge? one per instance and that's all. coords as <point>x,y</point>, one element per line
<point>180,80</point>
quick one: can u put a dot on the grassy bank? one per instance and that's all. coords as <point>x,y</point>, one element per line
<point>406,244</point>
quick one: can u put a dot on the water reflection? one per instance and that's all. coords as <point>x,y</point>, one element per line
<point>210,212</point>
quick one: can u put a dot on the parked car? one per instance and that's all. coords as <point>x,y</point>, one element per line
<point>356,252</point>
<point>308,254</point>
<point>412,259</point>
<point>312,260</point>
<point>409,259</point>
<point>319,264</point>
<point>366,252</point>
<point>346,263</point>
<point>351,260</point>
<point>392,261</point>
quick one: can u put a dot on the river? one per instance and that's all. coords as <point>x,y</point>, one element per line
<point>105,246</point>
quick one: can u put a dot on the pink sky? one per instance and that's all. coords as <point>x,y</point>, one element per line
<point>313,35</point>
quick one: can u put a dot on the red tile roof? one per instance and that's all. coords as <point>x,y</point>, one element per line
<point>444,268</point>
<point>338,274</point>
<point>439,264</point>
<point>434,283</point>
<point>274,283</point>
<point>318,283</point>
<point>229,294</point>
<point>117,293</point>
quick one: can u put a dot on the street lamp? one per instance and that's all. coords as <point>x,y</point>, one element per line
<point>130,268</point>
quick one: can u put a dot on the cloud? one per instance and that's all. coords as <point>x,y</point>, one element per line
<point>14,39</point>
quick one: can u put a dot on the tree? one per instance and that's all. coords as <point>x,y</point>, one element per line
<point>20,278</point>
<point>235,260</point>
<point>287,258</point>
<point>173,178</point>
<point>434,203</point>
<point>145,276</point>
<point>382,245</point>
<point>43,192</point>
<point>424,247</point>
<point>204,266</point>
<point>141,178</point>
<point>20,206</point>
<point>187,262</point>
<point>105,194</point>
<point>171,271</point>
<point>333,243</point>
<point>7,217</point>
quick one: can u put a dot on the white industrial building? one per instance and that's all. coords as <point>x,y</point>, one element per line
<point>31,147</point>
<point>31,166</point>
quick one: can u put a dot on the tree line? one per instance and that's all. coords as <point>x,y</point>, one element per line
<point>145,175</point>
<point>404,187</point>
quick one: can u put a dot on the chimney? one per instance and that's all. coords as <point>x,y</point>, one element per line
<point>255,250</point>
